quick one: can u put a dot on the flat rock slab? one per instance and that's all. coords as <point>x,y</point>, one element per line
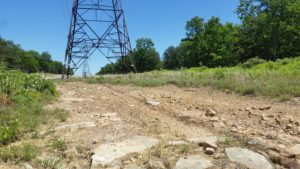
<point>76,126</point>
<point>107,153</point>
<point>248,158</point>
<point>193,162</point>
<point>153,102</point>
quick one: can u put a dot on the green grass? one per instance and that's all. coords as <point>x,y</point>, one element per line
<point>22,97</point>
<point>280,79</point>
<point>16,154</point>
<point>58,144</point>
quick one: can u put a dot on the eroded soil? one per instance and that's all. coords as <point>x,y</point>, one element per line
<point>263,125</point>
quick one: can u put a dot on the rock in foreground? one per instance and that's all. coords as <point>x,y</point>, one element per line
<point>107,153</point>
<point>248,158</point>
<point>193,162</point>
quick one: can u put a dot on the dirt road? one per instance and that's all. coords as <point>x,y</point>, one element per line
<point>170,127</point>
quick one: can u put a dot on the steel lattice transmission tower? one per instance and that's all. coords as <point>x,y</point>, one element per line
<point>97,26</point>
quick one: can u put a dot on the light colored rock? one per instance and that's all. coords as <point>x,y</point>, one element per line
<point>209,151</point>
<point>248,158</point>
<point>193,162</point>
<point>209,141</point>
<point>28,166</point>
<point>107,153</point>
<point>265,108</point>
<point>153,102</point>
<point>76,126</point>
<point>210,112</point>
<point>294,150</point>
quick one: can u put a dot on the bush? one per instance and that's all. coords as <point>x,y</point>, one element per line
<point>253,62</point>
<point>25,94</point>
<point>8,130</point>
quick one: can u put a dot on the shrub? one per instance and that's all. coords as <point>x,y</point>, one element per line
<point>25,94</point>
<point>253,62</point>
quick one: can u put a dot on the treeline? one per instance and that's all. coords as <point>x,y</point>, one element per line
<point>13,56</point>
<point>269,30</point>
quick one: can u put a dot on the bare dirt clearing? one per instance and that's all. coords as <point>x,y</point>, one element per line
<point>170,127</point>
<point>178,118</point>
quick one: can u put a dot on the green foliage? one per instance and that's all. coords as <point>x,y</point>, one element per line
<point>172,58</point>
<point>210,44</point>
<point>144,56</point>
<point>252,62</point>
<point>27,93</point>
<point>58,144</point>
<point>24,152</point>
<point>8,130</point>
<point>270,29</point>
<point>280,79</point>
<point>14,57</point>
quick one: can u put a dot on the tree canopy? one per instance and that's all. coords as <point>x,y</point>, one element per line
<point>144,56</point>
<point>13,56</point>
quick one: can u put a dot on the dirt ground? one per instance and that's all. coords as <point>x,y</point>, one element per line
<point>266,126</point>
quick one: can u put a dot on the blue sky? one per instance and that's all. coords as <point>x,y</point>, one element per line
<point>42,25</point>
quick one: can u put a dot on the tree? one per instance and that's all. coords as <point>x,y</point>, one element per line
<point>145,56</point>
<point>29,63</point>
<point>270,28</point>
<point>172,58</point>
<point>107,69</point>
<point>14,57</point>
<point>210,43</point>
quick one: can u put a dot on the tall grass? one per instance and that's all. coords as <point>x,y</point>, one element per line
<point>276,79</point>
<point>22,97</point>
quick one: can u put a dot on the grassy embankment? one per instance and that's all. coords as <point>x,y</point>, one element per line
<point>22,97</point>
<point>280,79</point>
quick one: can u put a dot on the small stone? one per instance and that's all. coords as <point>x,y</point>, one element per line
<point>248,109</point>
<point>153,102</point>
<point>298,130</point>
<point>234,129</point>
<point>214,119</point>
<point>265,108</point>
<point>291,120</point>
<point>289,126</point>
<point>217,156</point>
<point>210,113</point>
<point>209,151</point>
